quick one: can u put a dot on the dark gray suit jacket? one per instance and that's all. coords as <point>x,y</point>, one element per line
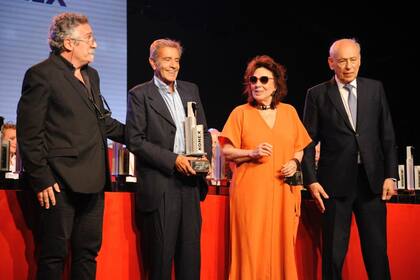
<point>150,135</point>
<point>326,120</point>
<point>59,134</point>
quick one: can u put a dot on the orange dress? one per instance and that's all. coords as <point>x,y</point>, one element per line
<point>264,211</point>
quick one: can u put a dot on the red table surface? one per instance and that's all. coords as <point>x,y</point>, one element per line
<point>119,257</point>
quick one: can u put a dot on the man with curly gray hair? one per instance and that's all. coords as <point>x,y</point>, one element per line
<point>62,126</point>
<point>63,26</point>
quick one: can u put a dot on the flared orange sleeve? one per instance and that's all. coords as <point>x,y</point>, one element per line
<point>232,130</point>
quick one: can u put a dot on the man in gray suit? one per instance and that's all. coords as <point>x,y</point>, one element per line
<point>169,193</point>
<point>356,172</point>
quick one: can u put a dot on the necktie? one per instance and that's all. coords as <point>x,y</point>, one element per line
<point>352,101</point>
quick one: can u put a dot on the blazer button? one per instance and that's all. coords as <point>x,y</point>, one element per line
<point>357,134</point>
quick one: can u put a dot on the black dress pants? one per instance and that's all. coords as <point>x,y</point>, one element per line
<point>370,213</point>
<point>76,222</point>
<point>171,234</point>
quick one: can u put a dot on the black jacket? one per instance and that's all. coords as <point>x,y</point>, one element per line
<point>150,136</point>
<point>326,120</point>
<point>60,136</point>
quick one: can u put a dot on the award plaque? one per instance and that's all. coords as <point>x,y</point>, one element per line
<point>409,168</point>
<point>297,178</point>
<point>401,174</point>
<point>123,163</point>
<point>294,180</point>
<point>417,177</point>
<point>194,140</point>
<point>4,155</point>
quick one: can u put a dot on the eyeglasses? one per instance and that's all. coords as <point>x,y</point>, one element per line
<point>263,79</point>
<point>90,39</point>
<point>106,112</point>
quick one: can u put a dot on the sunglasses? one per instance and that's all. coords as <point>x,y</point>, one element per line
<point>263,79</point>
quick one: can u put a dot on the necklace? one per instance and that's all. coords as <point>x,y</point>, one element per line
<point>263,107</point>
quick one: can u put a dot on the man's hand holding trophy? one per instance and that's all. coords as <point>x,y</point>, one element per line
<point>194,141</point>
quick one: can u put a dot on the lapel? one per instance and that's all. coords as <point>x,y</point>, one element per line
<point>362,102</point>
<point>80,91</point>
<point>335,97</point>
<point>95,89</point>
<point>185,96</point>
<point>158,104</point>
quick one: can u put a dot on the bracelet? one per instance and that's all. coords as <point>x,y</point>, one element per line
<point>297,163</point>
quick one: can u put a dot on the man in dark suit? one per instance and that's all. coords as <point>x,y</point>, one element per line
<point>62,128</point>
<point>169,193</point>
<point>357,167</point>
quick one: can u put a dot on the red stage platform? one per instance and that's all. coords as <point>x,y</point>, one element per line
<point>119,256</point>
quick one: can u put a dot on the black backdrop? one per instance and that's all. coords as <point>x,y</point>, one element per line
<point>220,37</point>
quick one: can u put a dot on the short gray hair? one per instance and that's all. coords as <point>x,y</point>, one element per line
<point>161,43</point>
<point>62,26</point>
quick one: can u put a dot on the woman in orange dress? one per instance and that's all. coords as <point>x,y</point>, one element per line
<point>265,138</point>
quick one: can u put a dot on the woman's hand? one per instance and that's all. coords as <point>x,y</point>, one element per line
<point>289,168</point>
<point>263,149</point>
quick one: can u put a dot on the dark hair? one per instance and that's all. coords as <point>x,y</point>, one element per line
<point>279,73</point>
